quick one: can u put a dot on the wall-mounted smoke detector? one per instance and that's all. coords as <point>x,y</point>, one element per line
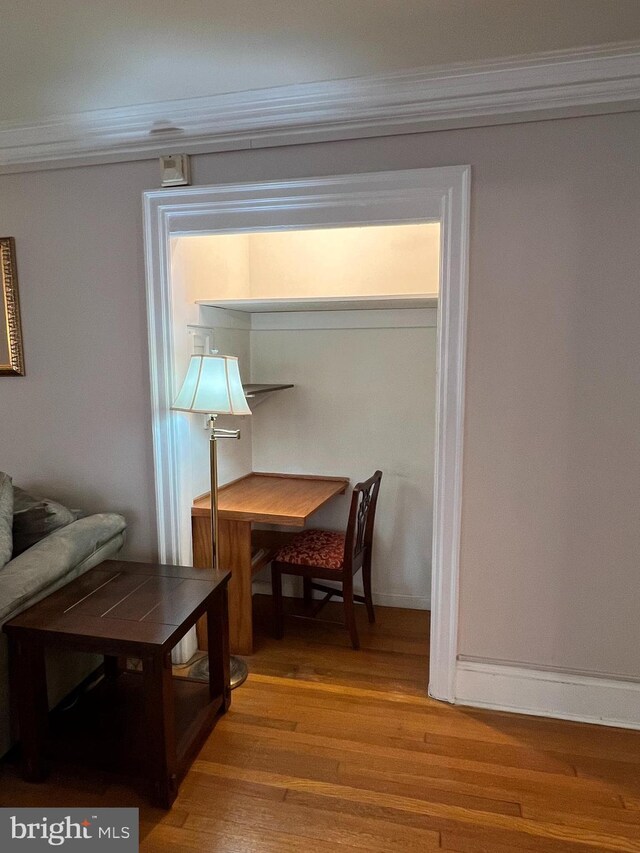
<point>175,170</point>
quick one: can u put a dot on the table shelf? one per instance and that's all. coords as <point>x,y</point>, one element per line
<point>105,727</point>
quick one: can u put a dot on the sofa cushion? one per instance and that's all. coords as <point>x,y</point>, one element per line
<point>40,568</point>
<point>34,518</point>
<point>6,518</point>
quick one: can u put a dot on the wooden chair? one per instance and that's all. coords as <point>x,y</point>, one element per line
<point>332,556</point>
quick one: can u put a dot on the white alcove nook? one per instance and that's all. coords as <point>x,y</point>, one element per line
<point>425,198</point>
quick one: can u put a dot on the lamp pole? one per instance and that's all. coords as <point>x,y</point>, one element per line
<point>238,668</point>
<point>212,386</point>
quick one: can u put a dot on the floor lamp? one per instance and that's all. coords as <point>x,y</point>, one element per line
<point>212,386</point>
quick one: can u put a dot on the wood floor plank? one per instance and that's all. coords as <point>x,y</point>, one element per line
<point>260,679</point>
<point>448,747</point>
<point>305,716</point>
<point>490,841</point>
<point>517,840</point>
<point>538,829</point>
<point>427,717</point>
<point>386,783</point>
<point>625,823</point>
<point>199,785</point>
<point>618,773</point>
<point>256,756</point>
<point>539,795</point>
<point>381,758</point>
<point>350,721</point>
<point>313,651</point>
<point>222,836</point>
<point>312,823</point>
<point>560,736</point>
<point>263,722</point>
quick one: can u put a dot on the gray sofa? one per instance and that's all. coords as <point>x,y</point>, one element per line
<point>35,573</point>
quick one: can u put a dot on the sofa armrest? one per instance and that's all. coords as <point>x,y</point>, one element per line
<point>46,562</point>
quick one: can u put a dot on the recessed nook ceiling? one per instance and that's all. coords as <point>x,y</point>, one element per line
<point>308,269</point>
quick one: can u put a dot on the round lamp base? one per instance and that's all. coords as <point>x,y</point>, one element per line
<point>237,669</point>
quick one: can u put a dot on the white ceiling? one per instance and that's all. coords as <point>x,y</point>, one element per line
<point>69,56</point>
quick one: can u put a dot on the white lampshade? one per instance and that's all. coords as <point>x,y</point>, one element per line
<point>212,386</point>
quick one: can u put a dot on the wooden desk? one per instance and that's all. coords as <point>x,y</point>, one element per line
<point>286,499</point>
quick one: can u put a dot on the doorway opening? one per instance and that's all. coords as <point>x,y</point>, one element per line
<point>343,321</point>
<point>261,270</point>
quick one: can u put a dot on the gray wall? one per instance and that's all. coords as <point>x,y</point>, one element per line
<point>78,425</point>
<point>550,538</point>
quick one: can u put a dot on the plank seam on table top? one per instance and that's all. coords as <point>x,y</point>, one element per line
<point>102,569</point>
<point>93,619</point>
<point>147,579</point>
<point>124,597</point>
<point>89,594</point>
<point>155,606</point>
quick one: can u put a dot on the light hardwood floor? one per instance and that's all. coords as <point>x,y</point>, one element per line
<point>327,749</point>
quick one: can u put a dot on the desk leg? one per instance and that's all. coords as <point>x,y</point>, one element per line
<point>30,707</point>
<point>234,553</point>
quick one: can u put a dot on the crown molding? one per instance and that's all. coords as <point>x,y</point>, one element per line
<point>561,83</point>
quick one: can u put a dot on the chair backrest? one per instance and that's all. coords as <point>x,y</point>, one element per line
<point>359,534</point>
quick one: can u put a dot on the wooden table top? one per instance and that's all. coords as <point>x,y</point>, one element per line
<point>287,499</point>
<point>140,604</point>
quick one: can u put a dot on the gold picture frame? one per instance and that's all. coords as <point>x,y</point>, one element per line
<point>11,352</point>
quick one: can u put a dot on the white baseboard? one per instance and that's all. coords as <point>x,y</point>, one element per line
<point>291,590</point>
<point>410,602</point>
<point>583,698</point>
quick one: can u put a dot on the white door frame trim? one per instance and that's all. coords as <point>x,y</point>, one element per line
<point>438,194</point>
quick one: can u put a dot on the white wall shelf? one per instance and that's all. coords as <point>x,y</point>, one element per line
<point>260,306</point>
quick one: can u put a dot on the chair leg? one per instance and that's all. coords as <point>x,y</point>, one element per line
<point>276,592</point>
<point>307,593</point>
<point>350,617</point>
<point>368,600</point>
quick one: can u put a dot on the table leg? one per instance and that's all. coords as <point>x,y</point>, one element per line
<point>160,727</point>
<point>30,707</point>
<point>218,631</point>
<point>234,553</point>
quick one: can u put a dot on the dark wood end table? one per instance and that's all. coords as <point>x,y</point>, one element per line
<point>122,609</point>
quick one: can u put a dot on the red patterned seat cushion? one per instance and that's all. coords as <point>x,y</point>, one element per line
<point>322,548</point>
